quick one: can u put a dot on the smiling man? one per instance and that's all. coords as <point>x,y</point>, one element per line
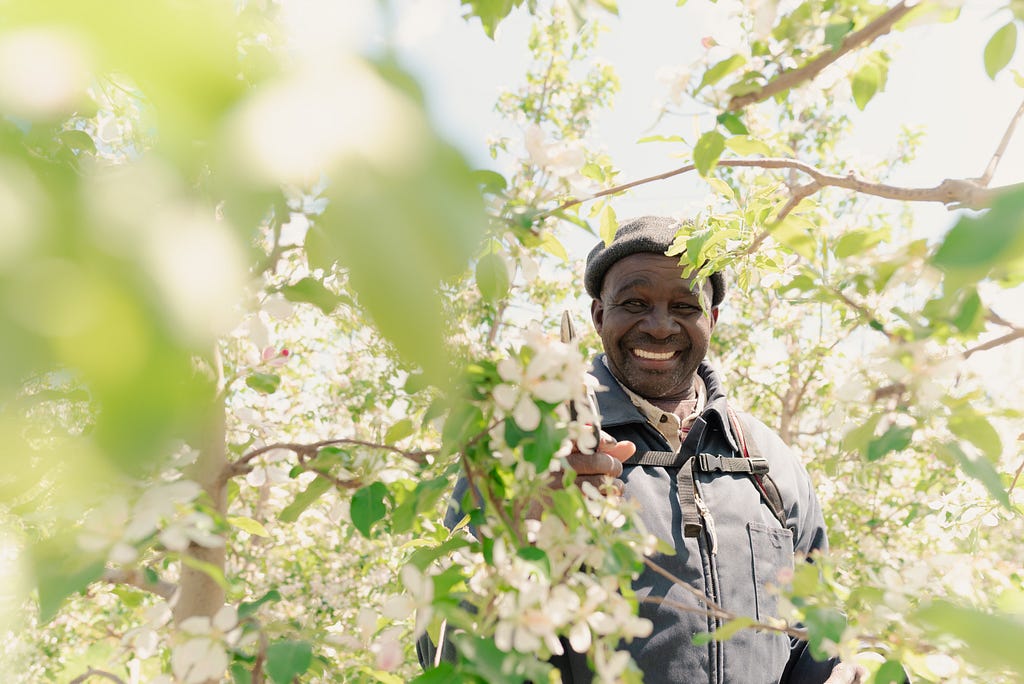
<point>718,486</point>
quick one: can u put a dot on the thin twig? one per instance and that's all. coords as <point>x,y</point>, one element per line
<point>998,342</point>
<point>993,163</point>
<point>790,78</point>
<point>137,579</point>
<point>1016,476</point>
<point>241,466</point>
<point>726,616</point>
<point>92,672</point>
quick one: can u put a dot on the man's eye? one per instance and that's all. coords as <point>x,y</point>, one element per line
<point>633,305</point>
<point>686,308</point>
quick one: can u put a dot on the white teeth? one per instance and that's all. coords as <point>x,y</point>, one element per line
<point>654,356</point>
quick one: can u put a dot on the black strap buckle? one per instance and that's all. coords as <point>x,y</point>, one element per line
<point>710,463</point>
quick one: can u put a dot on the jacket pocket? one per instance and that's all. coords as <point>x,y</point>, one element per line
<point>771,549</point>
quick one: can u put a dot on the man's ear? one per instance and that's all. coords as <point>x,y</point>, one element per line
<point>714,317</point>
<point>597,314</point>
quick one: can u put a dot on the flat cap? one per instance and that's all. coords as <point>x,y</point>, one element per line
<point>642,234</point>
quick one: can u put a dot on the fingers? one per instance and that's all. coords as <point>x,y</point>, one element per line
<point>597,463</point>
<point>620,451</point>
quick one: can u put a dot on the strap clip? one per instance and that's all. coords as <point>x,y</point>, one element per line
<point>710,463</point>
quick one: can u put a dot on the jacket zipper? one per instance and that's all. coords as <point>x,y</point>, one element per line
<point>711,568</point>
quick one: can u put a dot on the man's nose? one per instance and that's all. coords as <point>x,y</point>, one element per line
<point>659,324</point>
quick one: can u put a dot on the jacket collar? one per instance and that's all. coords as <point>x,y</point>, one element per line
<point>617,408</point>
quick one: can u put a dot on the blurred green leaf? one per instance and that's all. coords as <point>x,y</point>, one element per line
<point>60,570</point>
<point>896,438</point>
<point>609,225</point>
<point>732,123</point>
<point>247,608</point>
<point>976,245</point>
<point>982,470</point>
<point>312,291</point>
<point>368,507</point>
<point>399,431</point>
<point>716,73</point>
<point>707,151</point>
<point>304,499</point>
<point>973,427</point>
<point>891,672</point>
<point>492,277</point>
<point>286,660</point>
<point>993,640</point>
<point>490,12</point>
<point>253,527</point>
<point>836,31</point>
<point>264,383</point>
<point>866,82</point>
<point>1000,48</point>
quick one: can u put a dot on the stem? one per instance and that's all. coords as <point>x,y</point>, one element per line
<point>92,672</point>
<point>998,342</point>
<point>790,78</point>
<point>241,467</point>
<point>1001,149</point>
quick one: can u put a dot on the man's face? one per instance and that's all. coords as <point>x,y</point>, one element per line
<point>654,331</point>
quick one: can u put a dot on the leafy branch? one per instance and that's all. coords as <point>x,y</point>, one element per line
<point>308,451</point>
<point>790,78</point>
<point>138,579</point>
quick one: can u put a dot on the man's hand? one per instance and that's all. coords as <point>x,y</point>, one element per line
<point>604,464</point>
<point>848,673</point>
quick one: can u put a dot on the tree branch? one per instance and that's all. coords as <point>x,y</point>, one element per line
<point>958,192</point>
<point>92,672</point>
<point>993,163</point>
<point>304,451</point>
<point>998,342</point>
<point>790,78</point>
<point>137,579</point>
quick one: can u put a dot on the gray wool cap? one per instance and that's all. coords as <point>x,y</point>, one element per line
<point>642,234</point>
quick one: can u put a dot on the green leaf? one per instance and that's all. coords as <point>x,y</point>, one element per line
<point>249,525</point>
<point>609,224</point>
<point>490,182</point>
<point>444,673</point>
<point>247,608</point>
<point>968,425</point>
<point>745,145</point>
<point>859,437</point>
<point>856,242</point>
<point>866,82</point>
<point>240,673</point>
<point>794,232</point>
<point>730,628</point>
<point>78,140</point>
<point>970,315</point>
<point>368,507</point>
<point>836,31</point>
<point>976,245</point>
<point>399,431</point>
<point>891,672</point>
<point>720,70</point>
<point>732,123</point>
<point>896,438</point>
<point>304,499</point>
<point>982,470</point>
<point>312,291</point>
<point>264,383</point>
<point>1000,48</point>
<point>490,12</point>
<point>707,151</point>
<point>286,660</point>
<point>823,624</point>
<point>492,277</point>
<point>550,244</point>
<point>993,640</point>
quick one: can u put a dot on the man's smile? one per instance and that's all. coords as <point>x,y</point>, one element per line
<point>652,355</point>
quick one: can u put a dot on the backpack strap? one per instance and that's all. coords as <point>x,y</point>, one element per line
<point>764,483</point>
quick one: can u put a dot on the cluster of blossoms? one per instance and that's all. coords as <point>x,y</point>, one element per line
<point>547,564</point>
<point>164,510</point>
<point>554,373</point>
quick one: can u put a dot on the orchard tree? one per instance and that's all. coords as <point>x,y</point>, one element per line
<point>259,316</point>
